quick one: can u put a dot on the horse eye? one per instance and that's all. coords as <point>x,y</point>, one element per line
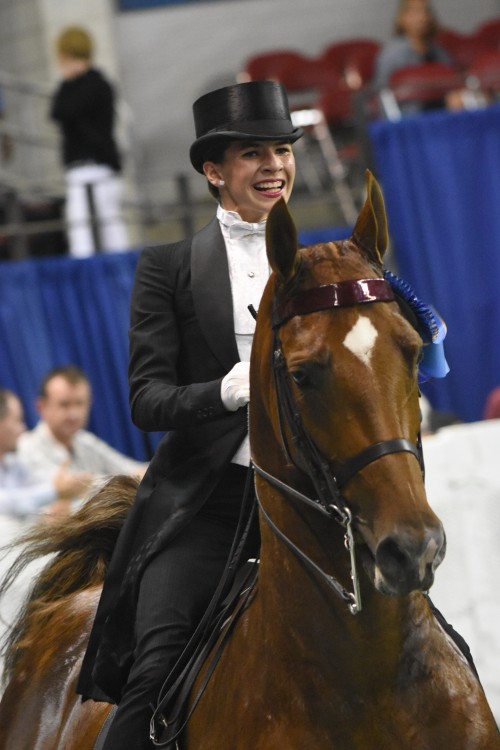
<point>301,378</point>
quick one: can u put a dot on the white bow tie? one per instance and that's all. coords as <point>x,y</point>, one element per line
<point>238,229</point>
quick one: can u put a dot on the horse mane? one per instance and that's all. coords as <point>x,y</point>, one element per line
<point>80,546</point>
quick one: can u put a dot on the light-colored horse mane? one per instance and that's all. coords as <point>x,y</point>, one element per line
<point>66,590</point>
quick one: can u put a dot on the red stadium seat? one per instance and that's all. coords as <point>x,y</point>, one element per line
<point>336,103</point>
<point>269,65</point>
<point>354,60</point>
<point>485,68</point>
<point>424,83</point>
<point>308,74</point>
<point>462,48</point>
<point>489,33</point>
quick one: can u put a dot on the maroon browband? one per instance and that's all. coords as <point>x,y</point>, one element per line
<point>341,294</point>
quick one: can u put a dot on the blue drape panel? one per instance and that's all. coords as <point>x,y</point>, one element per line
<point>324,234</point>
<point>58,311</point>
<point>440,174</point>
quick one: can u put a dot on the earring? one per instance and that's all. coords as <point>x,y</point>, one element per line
<point>221,182</point>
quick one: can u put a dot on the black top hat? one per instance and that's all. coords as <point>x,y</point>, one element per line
<point>257,110</point>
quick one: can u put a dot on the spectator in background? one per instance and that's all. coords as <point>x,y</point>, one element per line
<point>22,491</point>
<point>59,439</point>
<point>415,27</point>
<point>83,107</point>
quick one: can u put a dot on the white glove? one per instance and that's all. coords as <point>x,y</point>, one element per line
<point>235,387</point>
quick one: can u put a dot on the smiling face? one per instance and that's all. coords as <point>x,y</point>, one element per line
<point>255,176</point>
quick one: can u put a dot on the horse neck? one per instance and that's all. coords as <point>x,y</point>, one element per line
<point>311,622</point>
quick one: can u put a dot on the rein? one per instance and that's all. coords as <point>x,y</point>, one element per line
<point>343,516</point>
<point>326,480</point>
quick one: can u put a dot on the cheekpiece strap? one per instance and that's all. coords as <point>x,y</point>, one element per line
<point>341,294</point>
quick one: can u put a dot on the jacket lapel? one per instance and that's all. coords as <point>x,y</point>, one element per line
<point>211,290</point>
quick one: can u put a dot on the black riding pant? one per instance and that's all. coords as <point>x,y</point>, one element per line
<point>175,591</point>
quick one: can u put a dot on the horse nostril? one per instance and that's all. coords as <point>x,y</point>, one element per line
<point>406,563</point>
<point>392,561</point>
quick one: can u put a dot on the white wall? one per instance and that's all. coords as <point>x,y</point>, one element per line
<point>21,44</point>
<point>170,56</point>
<point>96,15</point>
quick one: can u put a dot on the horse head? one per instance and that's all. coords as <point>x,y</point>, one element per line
<point>344,369</point>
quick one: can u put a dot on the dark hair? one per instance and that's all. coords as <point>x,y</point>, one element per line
<point>5,395</point>
<point>71,373</point>
<point>216,152</point>
<point>433,23</point>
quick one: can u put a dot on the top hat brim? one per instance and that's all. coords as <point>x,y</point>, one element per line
<point>199,148</point>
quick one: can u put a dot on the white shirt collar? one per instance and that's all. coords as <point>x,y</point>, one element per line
<point>233,226</point>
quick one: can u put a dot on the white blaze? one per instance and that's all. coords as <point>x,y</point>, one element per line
<point>361,339</point>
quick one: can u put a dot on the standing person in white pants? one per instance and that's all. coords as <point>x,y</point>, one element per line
<point>83,107</point>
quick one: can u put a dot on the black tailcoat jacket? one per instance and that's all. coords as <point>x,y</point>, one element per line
<point>182,343</point>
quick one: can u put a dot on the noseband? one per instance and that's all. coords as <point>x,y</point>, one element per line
<point>327,479</point>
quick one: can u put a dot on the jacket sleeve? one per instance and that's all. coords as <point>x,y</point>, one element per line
<point>158,401</point>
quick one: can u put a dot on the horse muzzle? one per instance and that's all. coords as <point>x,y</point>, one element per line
<point>404,562</point>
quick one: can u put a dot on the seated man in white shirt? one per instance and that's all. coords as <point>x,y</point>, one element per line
<point>22,491</point>
<point>59,439</point>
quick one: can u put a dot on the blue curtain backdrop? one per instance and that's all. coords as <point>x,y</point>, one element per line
<point>58,311</point>
<point>440,174</point>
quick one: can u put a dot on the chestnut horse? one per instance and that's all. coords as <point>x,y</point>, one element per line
<point>337,648</point>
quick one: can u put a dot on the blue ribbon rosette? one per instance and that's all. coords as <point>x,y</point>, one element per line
<point>431,327</point>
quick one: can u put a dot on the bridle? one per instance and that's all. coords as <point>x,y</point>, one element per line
<point>327,479</point>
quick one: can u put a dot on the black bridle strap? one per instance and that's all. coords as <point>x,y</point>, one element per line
<point>329,580</point>
<point>315,504</point>
<point>327,483</point>
<point>340,294</point>
<point>313,463</point>
<point>352,466</point>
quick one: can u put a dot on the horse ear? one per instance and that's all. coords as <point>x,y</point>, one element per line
<point>370,232</point>
<point>281,242</point>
